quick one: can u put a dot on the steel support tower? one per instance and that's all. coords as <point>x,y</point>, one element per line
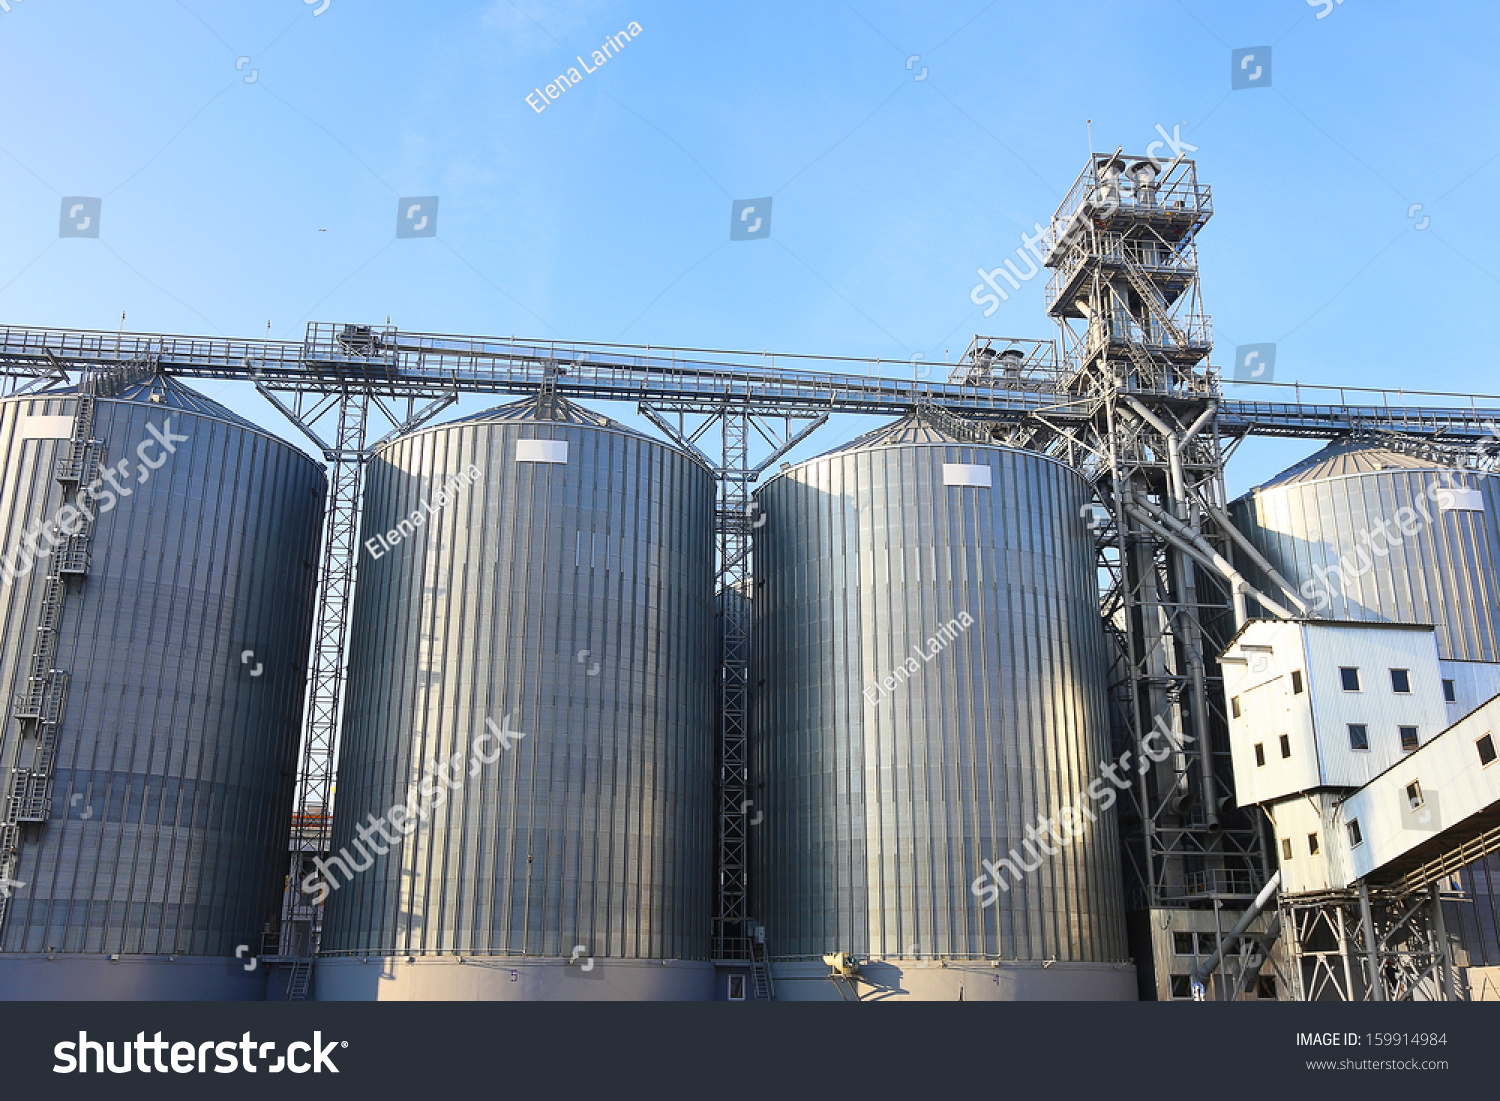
<point>1135,342</point>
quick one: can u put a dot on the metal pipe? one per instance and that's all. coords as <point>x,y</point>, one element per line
<point>1250,914</point>
<point>1174,453</point>
<point>1251,552</point>
<point>1217,561</point>
<point>1242,983</point>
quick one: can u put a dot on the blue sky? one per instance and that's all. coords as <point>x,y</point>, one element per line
<point>229,203</point>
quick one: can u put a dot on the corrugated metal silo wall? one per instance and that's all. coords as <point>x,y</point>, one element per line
<point>877,815</point>
<point>1322,536</point>
<point>595,828</point>
<point>175,762</point>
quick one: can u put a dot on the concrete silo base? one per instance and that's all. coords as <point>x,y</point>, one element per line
<point>931,981</point>
<point>510,979</point>
<point>31,977</point>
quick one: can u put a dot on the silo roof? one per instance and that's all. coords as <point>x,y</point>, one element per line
<point>1347,458</point>
<point>167,391</point>
<point>912,428</point>
<point>557,410</point>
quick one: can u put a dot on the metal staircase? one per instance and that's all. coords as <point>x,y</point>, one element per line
<point>760,974</point>
<point>300,982</point>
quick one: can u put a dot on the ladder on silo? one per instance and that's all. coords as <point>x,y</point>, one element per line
<point>10,842</point>
<point>28,796</point>
<point>300,981</point>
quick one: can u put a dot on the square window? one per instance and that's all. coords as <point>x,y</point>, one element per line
<point>1356,838</point>
<point>1260,754</point>
<point>1234,708</point>
<point>1350,677</point>
<point>1182,944</point>
<point>1486,747</point>
<point>1265,987</point>
<point>1286,745</point>
<point>1181,986</point>
<point>1450,691</point>
<point>1312,844</point>
<point>1296,682</point>
<point>1359,736</point>
<point>1401,681</point>
<point>1409,739</point>
<point>736,988</point>
<point>1286,848</point>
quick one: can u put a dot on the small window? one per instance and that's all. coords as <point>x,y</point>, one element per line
<point>1450,691</point>
<point>736,988</point>
<point>1359,736</point>
<point>1286,848</point>
<point>1312,844</point>
<point>1182,986</point>
<point>1286,745</point>
<point>1260,754</point>
<point>1234,707</point>
<point>1356,838</point>
<point>1350,677</point>
<point>1486,747</point>
<point>1296,682</point>
<point>1265,987</point>
<point>1409,740</point>
<point>1182,944</point>
<point>1414,794</point>
<point>1401,681</point>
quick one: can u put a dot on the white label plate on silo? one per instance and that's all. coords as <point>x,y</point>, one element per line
<point>46,428</point>
<point>965,474</point>
<point>1461,500</point>
<point>541,451</point>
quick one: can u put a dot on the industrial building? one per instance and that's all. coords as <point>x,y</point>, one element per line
<point>1002,700</point>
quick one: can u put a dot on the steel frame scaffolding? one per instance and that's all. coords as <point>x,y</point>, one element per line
<point>1127,397</point>
<point>1368,944</point>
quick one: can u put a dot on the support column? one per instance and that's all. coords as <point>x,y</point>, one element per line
<point>1440,934</point>
<point>1372,947</point>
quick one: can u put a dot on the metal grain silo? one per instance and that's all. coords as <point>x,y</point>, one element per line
<point>931,684</point>
<point>153,661</point>
<point>541,578</point>
<point>1369,533</point>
